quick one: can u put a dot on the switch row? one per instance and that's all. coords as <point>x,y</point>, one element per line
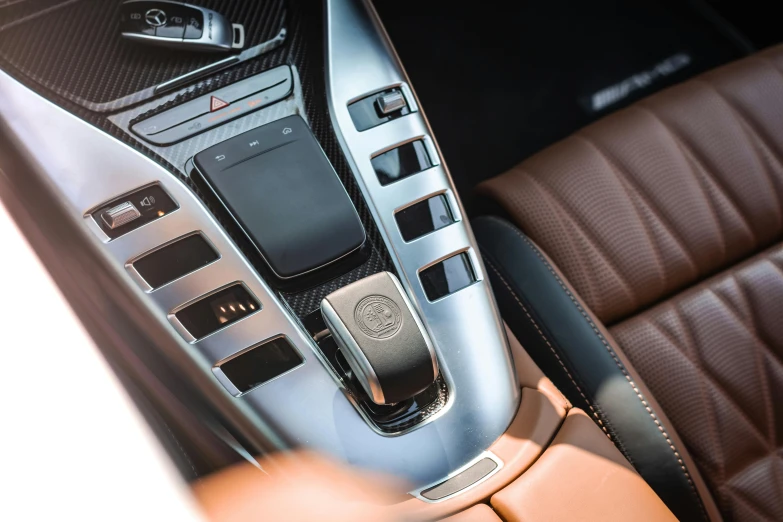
<point>424,217</point>
<point>210,312</point>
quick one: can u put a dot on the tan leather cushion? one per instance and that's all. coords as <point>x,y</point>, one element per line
<point>478,513</point>
<point>581,476</point>
<point>658,196</point>
<point>713,357</point>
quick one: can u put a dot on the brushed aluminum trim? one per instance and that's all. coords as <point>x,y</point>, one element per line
<point>465,327</point>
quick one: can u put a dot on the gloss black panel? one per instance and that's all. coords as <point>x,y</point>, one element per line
<point>175,260</point>
<point>406,160</point>
<point>262,363</point>
<point>447,277</point>
<point>217,310</point>
<point>152,203</point>
<point>424,217</point>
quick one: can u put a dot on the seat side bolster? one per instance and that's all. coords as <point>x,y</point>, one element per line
<point>575,351</point>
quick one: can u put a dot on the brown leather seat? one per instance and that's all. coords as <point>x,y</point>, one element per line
<point>667,219</point>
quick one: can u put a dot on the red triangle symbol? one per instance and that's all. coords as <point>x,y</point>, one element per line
<point>216,103</point>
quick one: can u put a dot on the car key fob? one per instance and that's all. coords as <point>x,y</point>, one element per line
<point>178,25</point>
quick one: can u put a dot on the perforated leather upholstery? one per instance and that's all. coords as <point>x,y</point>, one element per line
<point>655,197</point>
<point>667,219</point>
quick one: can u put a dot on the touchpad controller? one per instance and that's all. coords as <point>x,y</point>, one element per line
<point>278,185</point>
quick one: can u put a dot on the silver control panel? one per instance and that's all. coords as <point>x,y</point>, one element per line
<point>308,405</point>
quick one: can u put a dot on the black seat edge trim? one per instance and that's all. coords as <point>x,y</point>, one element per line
<point>562,339</point>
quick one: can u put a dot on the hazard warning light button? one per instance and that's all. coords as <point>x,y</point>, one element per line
<point>216,103</point>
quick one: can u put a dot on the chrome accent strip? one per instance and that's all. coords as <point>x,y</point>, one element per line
<point>485,455</point>
<point>465,327</point>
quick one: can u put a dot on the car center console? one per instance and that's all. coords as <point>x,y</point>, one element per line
<point>296,231</point>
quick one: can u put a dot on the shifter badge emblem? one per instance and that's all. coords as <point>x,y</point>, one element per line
<point>155,18</point>
<point>378,317</point>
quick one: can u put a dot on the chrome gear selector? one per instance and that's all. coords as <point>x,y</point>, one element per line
<point>178,25</point>
<point>382,338</point>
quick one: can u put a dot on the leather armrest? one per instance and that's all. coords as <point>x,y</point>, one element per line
<point>581,476</point>
<point>478,513</point>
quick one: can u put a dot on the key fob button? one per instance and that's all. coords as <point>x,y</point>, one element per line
<point>132,19</point>
<point>174,22</point>
<point>194,27</point>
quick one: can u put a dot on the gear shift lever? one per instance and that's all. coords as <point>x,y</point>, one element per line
<point>381,337</point>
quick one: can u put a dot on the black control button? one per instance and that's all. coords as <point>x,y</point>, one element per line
<point>378,108</point>
<point>406,160</point>
<point>281,189</point>
<point>424,217</point>
<point>261,364</point>
<point>194,25</point>
<point>133,19</point>
<point>448,276</point>
<point>174,18</point>
<point>175,260</point>
<point>210,314</point>
<point>151,202</point>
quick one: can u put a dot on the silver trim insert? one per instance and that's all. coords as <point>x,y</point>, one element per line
<point>465,327</point>
<point>485,455</point>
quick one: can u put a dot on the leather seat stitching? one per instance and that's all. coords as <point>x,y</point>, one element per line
<point>774,454</point>
<point>620,176</point>
<point>754,137</point>
<point>696,363</point>
<point>707,375</point>
<point>690,152</point>
<point>738,494</point>
<point>759,357</point>
<point>585,230</point>
<point>619,364</point>
<point>699,183</point>
<point>734,495</point>
<point>574,245</point>
<point>747,328</point>
<point>549,344</point>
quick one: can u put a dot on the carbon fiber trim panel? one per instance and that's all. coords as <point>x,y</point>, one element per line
<point>73,47</point>
<point>303,50</point>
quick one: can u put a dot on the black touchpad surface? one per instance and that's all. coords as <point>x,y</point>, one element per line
<point>280,187</point>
